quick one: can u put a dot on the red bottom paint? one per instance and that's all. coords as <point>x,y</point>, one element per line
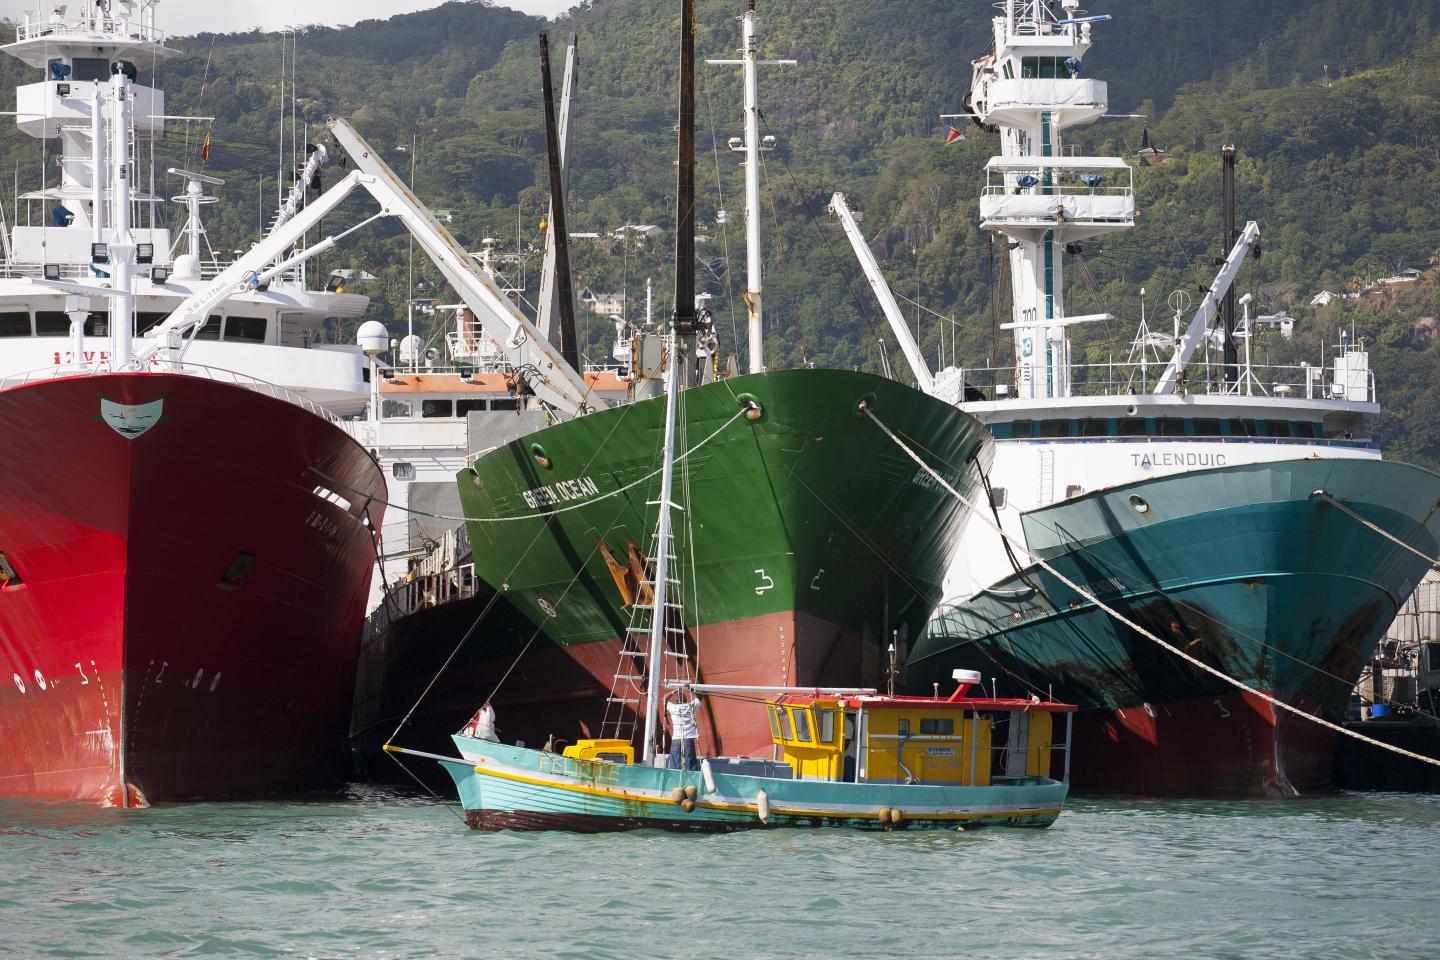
<point>1226,745</point>
<point>188,604</point>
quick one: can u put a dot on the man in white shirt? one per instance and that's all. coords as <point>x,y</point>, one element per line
<point>684,734</point>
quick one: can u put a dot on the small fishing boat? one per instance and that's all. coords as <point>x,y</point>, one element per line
<point>844,759</point>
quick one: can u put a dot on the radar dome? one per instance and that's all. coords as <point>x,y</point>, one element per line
<point>373,338</point>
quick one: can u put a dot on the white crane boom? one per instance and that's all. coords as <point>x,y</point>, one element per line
<point>908,346</point>
<point>553,380</point>
<point>1205,314</point>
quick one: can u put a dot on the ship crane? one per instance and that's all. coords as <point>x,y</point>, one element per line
<point>923,378</point>
<point>1209,306</point>
<point>554,381</point>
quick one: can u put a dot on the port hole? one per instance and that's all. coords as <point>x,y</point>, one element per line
<point>238,568</point>
<point>7,572</point>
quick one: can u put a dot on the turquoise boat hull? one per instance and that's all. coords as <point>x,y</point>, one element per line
<point>1241,567</point>
<point>504,787</point>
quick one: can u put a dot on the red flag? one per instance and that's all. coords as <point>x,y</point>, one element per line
<point>952,134</point>
<point>205,147</point>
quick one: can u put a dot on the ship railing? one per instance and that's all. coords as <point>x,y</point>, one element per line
<point>1274,381</point>
<point>209,270</point>
<point>111,27</point>
<point>421,592</point>
<point>218,374</point>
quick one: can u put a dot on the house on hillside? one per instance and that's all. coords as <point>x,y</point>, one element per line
<point>605,304</point>
<point>1281,321</point>
<point>1324,298</point>
<point>1408,275</point>
<point>639,231</point>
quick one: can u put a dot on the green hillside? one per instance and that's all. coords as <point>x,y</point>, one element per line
<point>1332,104</point>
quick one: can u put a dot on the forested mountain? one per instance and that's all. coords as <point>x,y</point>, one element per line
<point>1333,104</point>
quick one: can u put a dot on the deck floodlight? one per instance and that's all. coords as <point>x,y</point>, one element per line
<point>160,276</point>
<point>99,253</point>
<point>144,253</point>
<point>52,271</point>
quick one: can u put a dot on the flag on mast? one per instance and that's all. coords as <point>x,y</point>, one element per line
<point>952,134</point>
<point>205,147</point>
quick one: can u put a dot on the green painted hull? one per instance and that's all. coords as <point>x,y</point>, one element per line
<point>504,787</point>
<point>813,537</point>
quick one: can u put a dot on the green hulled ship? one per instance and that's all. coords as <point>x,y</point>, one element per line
<point>817,541</point>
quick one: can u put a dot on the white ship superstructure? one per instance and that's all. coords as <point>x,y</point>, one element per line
<point>1062,428</point>
<point>97,230</point>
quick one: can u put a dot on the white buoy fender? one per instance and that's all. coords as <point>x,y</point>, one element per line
<point>762,806</point>
<point>708,775</point>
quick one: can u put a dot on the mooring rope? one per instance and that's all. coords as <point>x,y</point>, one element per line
<point>1321,494</point>
<point>747,407</point>
<point>1117,615</point>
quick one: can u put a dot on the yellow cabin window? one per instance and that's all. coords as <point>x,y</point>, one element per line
<point>802,724</point>
<point>774,724</point>
<point>824,725</point>
<point>784,724</point>
<point>936,725</point>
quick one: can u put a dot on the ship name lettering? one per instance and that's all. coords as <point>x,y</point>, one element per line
<point>1148,460</point>
<point>560,492</point>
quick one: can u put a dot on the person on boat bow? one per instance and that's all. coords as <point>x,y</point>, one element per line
<point>684,733</point>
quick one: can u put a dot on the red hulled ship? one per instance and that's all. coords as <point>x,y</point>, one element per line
<point>187,529</point>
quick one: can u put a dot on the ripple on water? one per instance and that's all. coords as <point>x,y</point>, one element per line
<point>374,873</point>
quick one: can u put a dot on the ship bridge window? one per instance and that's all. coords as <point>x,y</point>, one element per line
<point>211,331</point>
<point>1277,428</point>
<point>1044,68</point>
<point>1009,70</point>
<point>784,723</point>
<point>505,403</point>
<point>463,407</point>
<point>402,470</point>
<point>774,724</point>
<point>90,69</point>
<point>1131,427</point>
<point>1024,428</point>
<point>245,329</point>
<point>437,408</point>
<point>14,324</point>
<point>1170,426</point>
<point>51,323</point>
<point>1095,427</point>
<point>1054,428</point>
<point>1207,427</point>
<point>394,409</point>
<point>145,321</point>
<point>1311,429</point>
<point>1241,428</point>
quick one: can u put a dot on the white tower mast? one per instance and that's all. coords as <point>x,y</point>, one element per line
<point>751,147</point>
<point>1043,201</point>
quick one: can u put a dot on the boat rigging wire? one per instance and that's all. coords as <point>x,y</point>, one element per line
<point>1322,495</point>
<point>1142,631</point>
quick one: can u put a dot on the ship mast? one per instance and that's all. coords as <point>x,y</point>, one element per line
<point>1042,200</point>
<point>751,146</point>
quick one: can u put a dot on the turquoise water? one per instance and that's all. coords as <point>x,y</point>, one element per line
<point>374,873</point>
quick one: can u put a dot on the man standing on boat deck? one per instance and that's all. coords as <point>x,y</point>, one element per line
<point>684,734</point>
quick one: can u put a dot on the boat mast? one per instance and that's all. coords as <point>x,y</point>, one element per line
<point>659,614</point>
<point>751,147</point>
<point>685,315</point>
<point>122,246</point>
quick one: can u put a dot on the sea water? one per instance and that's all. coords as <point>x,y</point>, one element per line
<point>376,873</point>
